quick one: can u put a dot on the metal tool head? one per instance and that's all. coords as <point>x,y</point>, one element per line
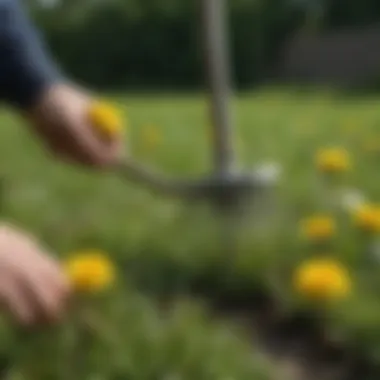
<point>229,190</point>
<point>225,186</point>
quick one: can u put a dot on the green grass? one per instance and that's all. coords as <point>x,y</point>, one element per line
<point>166,243</point>
<point>126,337</point>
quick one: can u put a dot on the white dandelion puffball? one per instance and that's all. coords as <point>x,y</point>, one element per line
<point>269,172</point>
<point>352,199</point>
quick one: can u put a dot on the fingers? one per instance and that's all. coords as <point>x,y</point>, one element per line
<point>32,286</point>
<point>62,121</point>
<point>94,147</point>
<point>46,288</point>
<point>46,300</point>
<point>91,158</point>
<point>90,149</point>
<point>36,299</point>
<point>14,300</point>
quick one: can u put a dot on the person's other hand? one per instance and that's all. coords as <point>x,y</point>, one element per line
<point>33,288</point>
<point>61,119</point>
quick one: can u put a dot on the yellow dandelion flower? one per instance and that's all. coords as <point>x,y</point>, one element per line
<point>106,119</point>
<point>90,271</point>
<point>322,279</point>
<point>367,218</point>
<point>333,160</point>
<point>318,228</point>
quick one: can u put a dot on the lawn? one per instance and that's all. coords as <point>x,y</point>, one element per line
<point>165,246</point>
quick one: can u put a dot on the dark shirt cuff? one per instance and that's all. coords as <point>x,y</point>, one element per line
<point>25,69</point>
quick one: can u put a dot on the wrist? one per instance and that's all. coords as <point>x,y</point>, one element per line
<point>28,88</point>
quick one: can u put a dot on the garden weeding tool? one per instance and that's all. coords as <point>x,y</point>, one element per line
<point>226,185</point>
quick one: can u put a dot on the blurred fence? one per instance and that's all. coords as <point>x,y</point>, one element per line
<point>342,57</point>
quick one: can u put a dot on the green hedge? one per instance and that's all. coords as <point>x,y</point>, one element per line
<point>122,43</point>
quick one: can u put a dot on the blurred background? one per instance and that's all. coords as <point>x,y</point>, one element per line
<point>297,295</point>
<point>123,44</point>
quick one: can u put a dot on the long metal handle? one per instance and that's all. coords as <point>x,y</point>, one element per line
<point>217,67</point>
<point>209,187</point>
<point>157,182</point>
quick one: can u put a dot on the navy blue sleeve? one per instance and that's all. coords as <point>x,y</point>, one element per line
<point>25,68</point>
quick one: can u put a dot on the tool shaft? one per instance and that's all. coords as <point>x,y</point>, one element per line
<point>217,67</point>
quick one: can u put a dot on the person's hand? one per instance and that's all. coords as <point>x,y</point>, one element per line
<point>61,118</point>
<point>33,288</point>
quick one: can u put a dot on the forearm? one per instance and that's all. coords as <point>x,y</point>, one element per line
<point>25,68</point>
